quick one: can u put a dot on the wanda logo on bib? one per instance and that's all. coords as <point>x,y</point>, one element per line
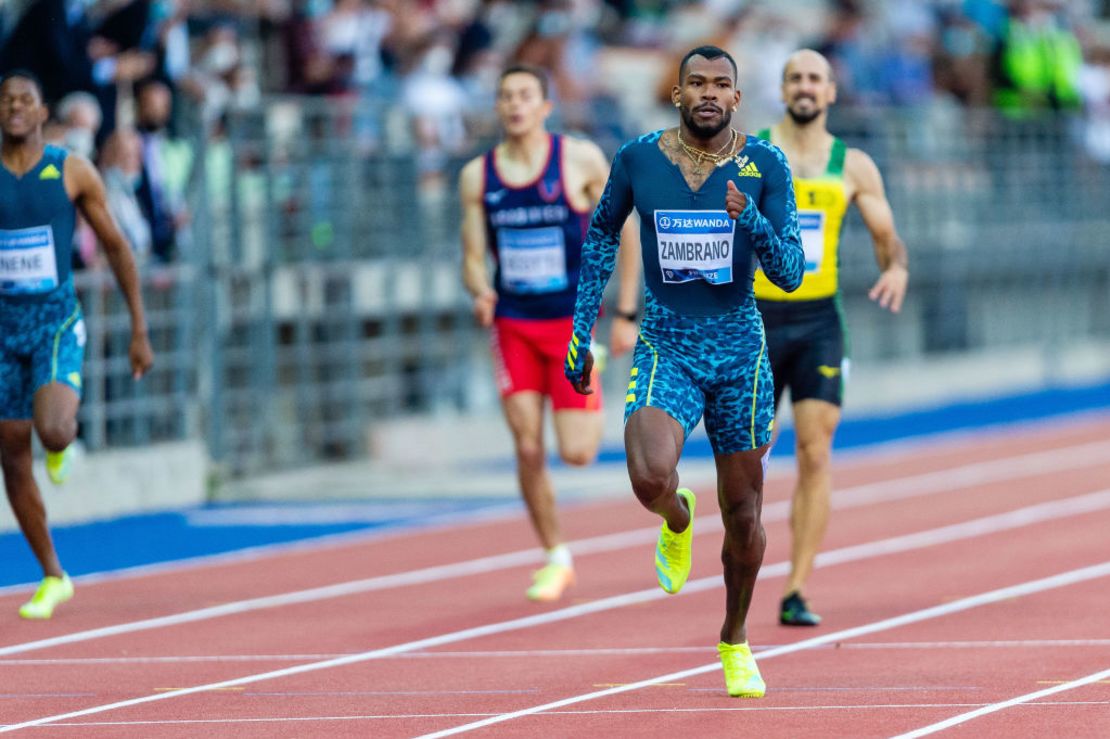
<point>695,245</point>
<point>27,261</point>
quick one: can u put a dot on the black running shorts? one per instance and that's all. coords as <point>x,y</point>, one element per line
<point>807,345</point>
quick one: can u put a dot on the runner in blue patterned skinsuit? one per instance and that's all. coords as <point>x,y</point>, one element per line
<point>711,201</point>
<point>42,333</point>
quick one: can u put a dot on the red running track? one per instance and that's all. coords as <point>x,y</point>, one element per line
<point>963,576</point>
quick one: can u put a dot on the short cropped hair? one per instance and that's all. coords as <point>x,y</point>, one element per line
<point>23,74</point>
<point>709,52</point>
<point>538,72</point>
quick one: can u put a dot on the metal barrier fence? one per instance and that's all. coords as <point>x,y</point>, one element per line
<point>321,293</point>
<point>115,410</point>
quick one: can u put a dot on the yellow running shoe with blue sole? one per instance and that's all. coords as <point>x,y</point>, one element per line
<point>52,592</point>
<point>672,552</point>
<point>548,583</point>
<point>742,678</point>
<point>60,464</point>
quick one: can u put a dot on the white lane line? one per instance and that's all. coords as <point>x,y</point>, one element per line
<point>1092,454</point>
<point>594,712</point>
<point>994,596</point>
<point>534,653</point>
<point>995,707</point>
<point>970,529</point>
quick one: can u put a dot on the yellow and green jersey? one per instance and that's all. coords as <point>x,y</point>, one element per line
<point>822,202</point>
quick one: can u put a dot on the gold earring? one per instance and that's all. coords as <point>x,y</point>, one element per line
<point>677,104</point>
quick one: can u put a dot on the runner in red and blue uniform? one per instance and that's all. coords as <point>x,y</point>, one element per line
<point>527,203</point>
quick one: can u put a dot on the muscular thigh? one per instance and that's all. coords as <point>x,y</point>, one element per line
<point>659,380</point>
<point>39,346</point>
<point>740,407</point>
<point>807,354</point>
<point>819,370</point>
<point>60,354</point>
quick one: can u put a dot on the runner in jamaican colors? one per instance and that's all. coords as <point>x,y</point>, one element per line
<point>526,203</point>
<point>805,332</point>
<point>42,332</point>
<point>711,200</point>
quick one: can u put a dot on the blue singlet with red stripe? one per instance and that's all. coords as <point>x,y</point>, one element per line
<point>536,237</point>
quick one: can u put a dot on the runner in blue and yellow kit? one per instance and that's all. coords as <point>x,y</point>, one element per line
<point>805,333</point>
<point>42,332</point>
<point>710,201</point>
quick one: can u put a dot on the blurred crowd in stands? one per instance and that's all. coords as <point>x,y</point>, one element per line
<point>132,83</point>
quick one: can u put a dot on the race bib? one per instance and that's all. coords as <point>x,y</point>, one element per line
<point>811,224</point>
<point>27,265</point>
<point>533,260</point>
<point>695,245</point>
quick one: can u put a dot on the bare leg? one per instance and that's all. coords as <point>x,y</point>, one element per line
<point>815,423</point>
<point>55,415</point>
<point>579,435</point>
<point>524,413</point>
<point>740,493</point>
<point>653,442</point>
<point>23,493</point>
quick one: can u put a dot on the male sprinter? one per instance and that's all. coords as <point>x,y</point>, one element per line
<point>528,201</point>
<point>805,333</point>
<point>710,201</point>
<point>42,333</point>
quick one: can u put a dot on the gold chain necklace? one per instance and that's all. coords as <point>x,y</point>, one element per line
<point>697,156</point>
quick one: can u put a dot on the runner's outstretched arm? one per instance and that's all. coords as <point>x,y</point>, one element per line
<point>475,272</point>
<point>631,287</point>
<point>623,332</point>
<point>890,252</point>
<point>91,199</point>
<point>599,259</point>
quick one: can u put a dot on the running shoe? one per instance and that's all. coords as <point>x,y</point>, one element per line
<point>52,592</point>
<point>742,678</point>
<point>795,612</point>
<point>60,464</point>
<point>672,553</point>
<point>548,583</point>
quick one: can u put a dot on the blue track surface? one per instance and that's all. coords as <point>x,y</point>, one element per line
<point>132,541</point>
<point>165,537</point>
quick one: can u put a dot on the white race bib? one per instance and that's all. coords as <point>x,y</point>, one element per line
<point>811,224</point>
<point>27,265</point>
<point>533,260</point>
<point>695,245</point>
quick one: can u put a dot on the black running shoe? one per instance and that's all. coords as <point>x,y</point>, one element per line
<point>795,612</point>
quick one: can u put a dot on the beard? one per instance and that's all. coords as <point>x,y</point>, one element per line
<point>804,118</point>
<point>702,131</point>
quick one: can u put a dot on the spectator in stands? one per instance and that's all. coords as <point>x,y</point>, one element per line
<point>1036,67</point>
<point>352,34</point>
<point>310,69</point>
<point>166,165</point>
<point>121,164</point>
<point>218,80</point>
<point>437,103</point>
<point>962,57</point>
<point>54,39</point>
<point>80,115</point>
<point>1095,86</point>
